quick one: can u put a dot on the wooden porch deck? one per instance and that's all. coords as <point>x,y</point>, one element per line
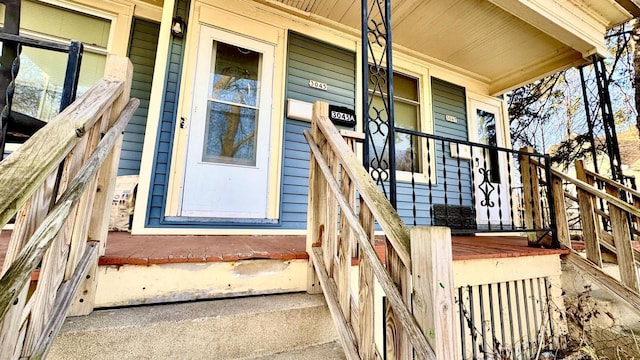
<point>126,249</point>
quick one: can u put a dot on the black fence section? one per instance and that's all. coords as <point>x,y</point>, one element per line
<point>17,127</point>
<point>472,187</point>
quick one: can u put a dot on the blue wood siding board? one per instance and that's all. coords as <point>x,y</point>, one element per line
<point>342,82</point>
<point>453,177</point>
<point>142,52</point>
<point>309,59</point>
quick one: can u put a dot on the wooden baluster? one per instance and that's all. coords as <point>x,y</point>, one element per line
<point>366,343</point>
<point>101,190</point>
<point>345,243</point>
<point>622,241</point>
<point>316,213</point>
<point>352,138</point>
<point>14,327</point>
<point>636,204</point>
<point>588,218</point>
<point>432,272</point>
<point>530,189</point>
<point>398,345</point>
<point>560,210</point>
<point>330,243</point>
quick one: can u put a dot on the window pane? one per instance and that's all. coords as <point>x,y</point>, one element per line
<point>235,75</point>
<point>232,109</point>
<point>230,134</point>
<point>487,135</point>
<point>64,23</point>
<point>486,128</point>
<point>405,87</point>
<point>406,117</point>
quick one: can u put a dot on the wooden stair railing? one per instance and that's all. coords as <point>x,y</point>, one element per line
<point>617,239</point>
<point>416,278</point>
<point>61,226</point>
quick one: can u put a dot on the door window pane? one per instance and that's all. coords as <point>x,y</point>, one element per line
<point>487,135</point>
<point>232,110</point>
<point>234,77</point>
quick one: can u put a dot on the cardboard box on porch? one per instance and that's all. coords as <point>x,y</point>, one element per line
<point>124,198</point>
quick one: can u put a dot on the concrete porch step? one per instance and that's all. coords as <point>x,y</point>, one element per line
<point>289,326</point>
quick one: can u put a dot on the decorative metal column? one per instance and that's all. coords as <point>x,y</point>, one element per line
<point>590,125</point>
<point>377,94</point>
<point>608,123</point>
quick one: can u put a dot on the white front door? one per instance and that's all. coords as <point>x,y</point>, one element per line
<point>489,166</point>
<point>227,163</point>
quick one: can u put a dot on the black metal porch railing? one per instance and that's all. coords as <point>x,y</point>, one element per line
<point>471,187</point>
<point>16,126</point>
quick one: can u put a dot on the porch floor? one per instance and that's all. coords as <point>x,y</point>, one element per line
<point>126,249</point>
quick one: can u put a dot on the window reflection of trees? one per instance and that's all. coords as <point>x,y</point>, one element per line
<point>233,106</point>
<point>487,135</point>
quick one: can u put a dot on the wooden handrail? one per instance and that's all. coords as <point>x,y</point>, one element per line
<point>62,234</point>
<point>388,219</point>
<point>613,183</point>
<point>24,170</point>
<point>598,193</point>
<point>421,346</point>
<point>20,271</point>
<point>417,281</point>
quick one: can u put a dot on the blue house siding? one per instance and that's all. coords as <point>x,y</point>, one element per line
<point>447,99</point>
<point>142,52</point>
<point>166,126</point>
<point>309,59</point>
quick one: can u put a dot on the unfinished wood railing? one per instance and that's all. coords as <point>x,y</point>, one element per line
<point>397,309</point>
<point>59,185</point>
<point>606,221</point>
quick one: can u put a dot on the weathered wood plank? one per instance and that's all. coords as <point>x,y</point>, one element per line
<point>118,68</point>
<point>622,240</point>
<point>43,298</point>
<point>591,190</point>
<point>562,225</point>
<point>79,223</point>
<point>101,193</point>
<point>606,240</point>
<point>530,189</point>
<point>617,185</point>
<point>15,325</point>
<point>20,271</point>
<point>604,280</point>
<point>343,267</point>
<point>398,346</point>
<point>316,214</point>
<point>366,290</point>
<point>63,301</point>
<point>387,217</point>
<point>590,227</point>
<point>18,172</point>
<point>433,299</point>
<point>330,241</point>
<point>422,348</point>
<point>331,294</point>
<point>352,138</point>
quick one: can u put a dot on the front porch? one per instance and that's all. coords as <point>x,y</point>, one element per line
<point>144,269</point>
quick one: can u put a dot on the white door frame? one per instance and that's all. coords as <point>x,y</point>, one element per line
<point>498,202</point>
<point>227,191</point>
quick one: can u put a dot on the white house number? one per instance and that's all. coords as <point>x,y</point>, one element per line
<point>318,85</point>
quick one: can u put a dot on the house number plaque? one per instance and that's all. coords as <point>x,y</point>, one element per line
<point>318,85</point>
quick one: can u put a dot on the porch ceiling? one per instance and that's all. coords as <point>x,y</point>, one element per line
<point>505,43</point>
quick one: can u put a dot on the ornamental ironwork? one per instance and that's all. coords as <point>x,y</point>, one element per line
<point>377,92</point>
